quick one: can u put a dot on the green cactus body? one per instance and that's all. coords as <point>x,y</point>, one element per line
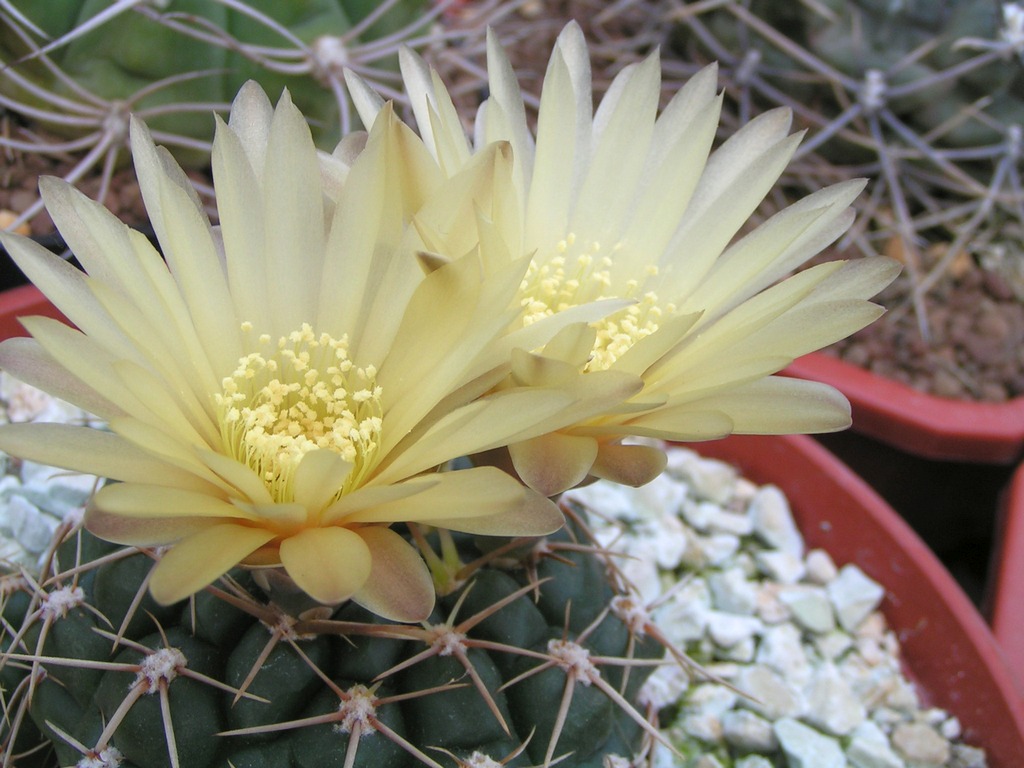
<point>537,655</point>
<point>133,51</point>
<point>910,42</point>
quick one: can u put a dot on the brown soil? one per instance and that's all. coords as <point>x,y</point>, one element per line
<point>19,180</point>
<point>967,343</point>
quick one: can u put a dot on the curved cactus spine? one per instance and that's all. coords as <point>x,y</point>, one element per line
<point>65,75</point>
<point>929,104</point>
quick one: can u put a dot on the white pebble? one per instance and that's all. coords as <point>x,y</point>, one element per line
<point>707,761</point>
<point>810,607</point>
<point>920,743</point>
<point>869,748</point>
<point>732,593</point>
<point>718,548</point>
<point>748,732</point>
<point>666,685</point>
<point>782,567</point>
<point>712,698</point>
<point>854,596</point>
<point>782,649</point>
<point>965,756</point>
<point>698,514</point>
<point>728,629</point>
<point>684,616</point>
<point>833,644</point>
<point>770,695</point>
<point>770,609</point>
<point>773,521</point>
<point>951,728</point>
<point>820,567</point>
<point>730,522</point>
<point>712,480</point>
<point>608,500</point>
<point>805,747</point>
<point>742,652</point>
<point>42,478</point>
<point>832,705</point>
<point>26,524</point>
<point>660,498</point>
<point>703,726</point>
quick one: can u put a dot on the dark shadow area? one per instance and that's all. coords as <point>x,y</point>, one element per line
<point>952,506</point>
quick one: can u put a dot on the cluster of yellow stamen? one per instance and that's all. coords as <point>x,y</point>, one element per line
<point>297,395</point>
<point>578,274</point>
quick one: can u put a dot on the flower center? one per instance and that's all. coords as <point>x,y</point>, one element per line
<point>297,395</point>
<point>578,274</point>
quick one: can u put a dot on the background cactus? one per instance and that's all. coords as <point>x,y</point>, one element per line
<point>926,97</point>
<point>533,655</point>
<point>78,68</point>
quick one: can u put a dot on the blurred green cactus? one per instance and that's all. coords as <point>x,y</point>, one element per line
<point>925,96</point>
<point>131,50</point>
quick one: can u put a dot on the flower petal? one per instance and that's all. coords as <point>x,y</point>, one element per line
<point>374,495</point>
<point>622,129</point>
<point>241,477</point>
<point>94,452</point>
<point>554,462</point>
<point>367,101</point>
<point>241,222</point>
<point>319,478</point>
<point>198,560</point>
<point>632,465</point>
<point>151,440</point>
<point>142,501</point>
<point>189,249</point>
<point>778,246</point>
<point>250,119</point>
<point>26,360</point>
<point>144,533</point>
<point>779,405</point>
<point>399,587</point>
<point>563,138</point>
<point>478,500</point>
<point>328,564</point>
<point>85,358</point>
<point>292,206</point>
<point>506,112</point>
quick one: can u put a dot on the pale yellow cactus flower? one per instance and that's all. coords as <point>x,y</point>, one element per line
<point>629,204</point>
<point>280,392</point>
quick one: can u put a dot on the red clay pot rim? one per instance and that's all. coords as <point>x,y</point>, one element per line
<point>947,646</point>
<point>1007,600</point>
<point>23,301</point>
<point>937,428</point>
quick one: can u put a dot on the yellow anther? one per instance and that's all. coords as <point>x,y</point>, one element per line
<point>272,414</point>
<point>571,277</point>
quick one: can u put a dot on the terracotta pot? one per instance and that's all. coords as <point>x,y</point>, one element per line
<point>947,647</point>
<point>1006,597</point>
<point>23,301</point>
<point>932,427</point>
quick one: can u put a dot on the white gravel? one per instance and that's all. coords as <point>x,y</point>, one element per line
<point>732,583</point>
<point>35,498</point>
